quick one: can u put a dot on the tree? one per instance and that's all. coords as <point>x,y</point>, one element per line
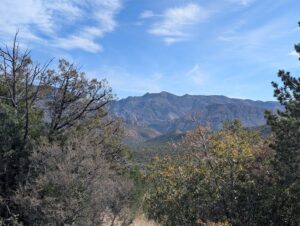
<point>72,98</point>
<point>285,127</point>
<point>72,103</point>
<point>61,159</point>
<point>240,171</point>
<point>223,178</point>
<point>74,185</point>
<point>20,83</point>
<point>169,191</point>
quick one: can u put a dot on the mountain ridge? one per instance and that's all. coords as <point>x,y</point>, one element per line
<point>156,114</point>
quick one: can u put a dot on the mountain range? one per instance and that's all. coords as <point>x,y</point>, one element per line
<point>158,116</point>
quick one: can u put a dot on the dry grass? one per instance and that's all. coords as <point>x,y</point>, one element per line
<point>140,220</point>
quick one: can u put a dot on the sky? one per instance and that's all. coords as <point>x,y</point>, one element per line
<point>201,47</point>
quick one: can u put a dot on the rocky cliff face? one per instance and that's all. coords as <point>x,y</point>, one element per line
<point>158,114</point>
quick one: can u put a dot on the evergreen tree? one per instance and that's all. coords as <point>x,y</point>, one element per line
<point>286,128</point>
<point>20,121</point>
<point>48,174</point>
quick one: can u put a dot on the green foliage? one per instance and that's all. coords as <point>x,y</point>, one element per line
<point>241,170</point>
<point>61,157</point>
<point>171,189</point>
<point>20,123</point>
<point>286,128</point>
<point>223,178</point>
<point>73,100</point>
<point>62,161</point>
<point>74,185</point>
<point>10,131</point>
<point>136,176</point>
<point>144,153</point>
<point>233,175</point>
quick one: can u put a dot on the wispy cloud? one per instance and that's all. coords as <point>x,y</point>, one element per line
<point>196,75</point>
<point>255,37</point>
<point>147,14</point>
<point>175,23</point>
<point>60,23</point>
<point>256,46</point>
<point>243,2</point>
<point>78,42</point>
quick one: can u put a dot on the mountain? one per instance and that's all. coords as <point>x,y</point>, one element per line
<point>157,116</point>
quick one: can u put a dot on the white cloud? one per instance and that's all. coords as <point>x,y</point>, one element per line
<point>294,53</point>
<point>176,22</point>
<point>260,48</point>
<point>243,2</point>
<point>60,22</point>
<point>246,2</point>
<point>77,42</point>
<point>147,14</point>
<point>253,38</point>
<point>170,41</point>
<point>196,75</point>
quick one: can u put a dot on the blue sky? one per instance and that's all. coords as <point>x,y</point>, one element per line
<point>215,47</point>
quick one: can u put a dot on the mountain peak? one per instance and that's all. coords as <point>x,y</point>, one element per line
<point>162,94</point>
<point>165,93</point>
<point>163,113</point>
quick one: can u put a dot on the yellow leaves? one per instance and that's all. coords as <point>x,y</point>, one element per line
<point>235,145</point>
<point>219,168</point>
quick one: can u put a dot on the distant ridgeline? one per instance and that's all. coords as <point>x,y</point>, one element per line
<point>160,117</point>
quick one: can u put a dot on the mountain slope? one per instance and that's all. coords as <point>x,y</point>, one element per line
<point>159,114</point>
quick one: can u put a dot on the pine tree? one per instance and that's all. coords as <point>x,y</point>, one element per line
<point>286,128</point>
